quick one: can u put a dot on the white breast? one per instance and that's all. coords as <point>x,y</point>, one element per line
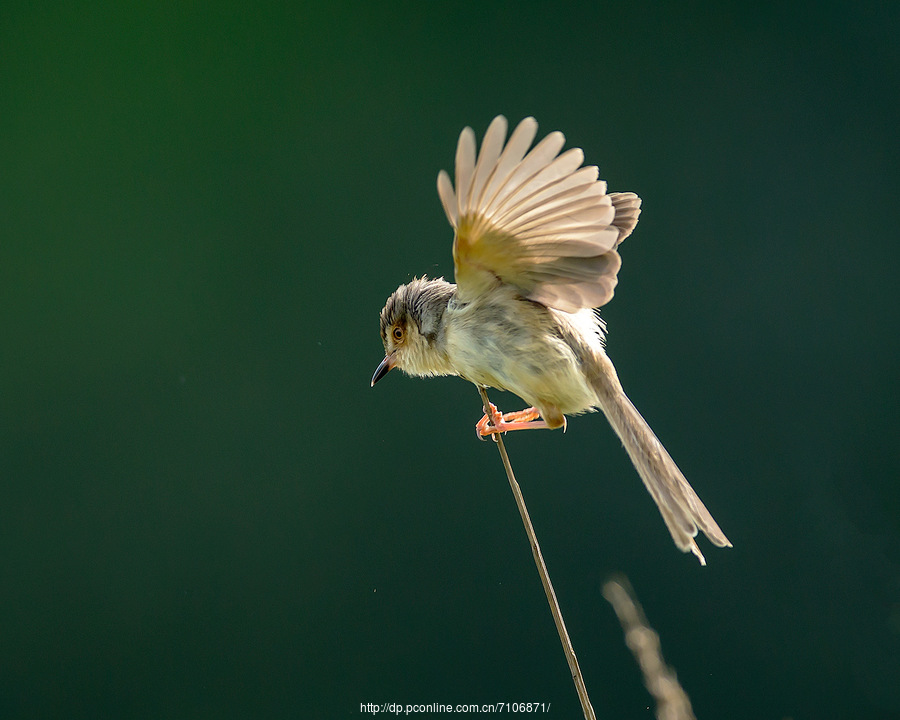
<point>508,343</point>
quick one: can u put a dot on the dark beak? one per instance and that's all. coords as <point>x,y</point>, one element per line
<point>383,369</point>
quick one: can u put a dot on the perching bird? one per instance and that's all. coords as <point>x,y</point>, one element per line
<point>534,253</point>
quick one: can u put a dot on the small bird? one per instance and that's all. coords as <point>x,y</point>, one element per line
<point>534,254</point>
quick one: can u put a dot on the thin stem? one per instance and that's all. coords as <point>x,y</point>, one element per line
<point>542,571</point>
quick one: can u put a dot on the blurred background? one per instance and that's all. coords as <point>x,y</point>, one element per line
<point>205,511</point>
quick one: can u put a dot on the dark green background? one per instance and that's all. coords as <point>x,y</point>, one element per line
<point>207,513</point>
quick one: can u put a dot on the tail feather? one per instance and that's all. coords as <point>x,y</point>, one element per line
<point>682,510</point>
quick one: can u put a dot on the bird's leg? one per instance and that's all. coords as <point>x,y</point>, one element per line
<point>497,422</point>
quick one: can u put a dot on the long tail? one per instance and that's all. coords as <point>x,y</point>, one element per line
<point>679,505</point>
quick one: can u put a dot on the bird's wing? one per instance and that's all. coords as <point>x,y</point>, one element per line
<point>536,220</point>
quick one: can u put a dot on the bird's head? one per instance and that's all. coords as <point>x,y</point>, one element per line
<point>411,329</point>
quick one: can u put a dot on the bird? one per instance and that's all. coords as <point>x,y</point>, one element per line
<point>534,255</point>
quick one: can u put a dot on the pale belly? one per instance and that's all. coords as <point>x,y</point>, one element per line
<point>511,345</point>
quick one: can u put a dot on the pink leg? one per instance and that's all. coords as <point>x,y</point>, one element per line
<point>498,422</point>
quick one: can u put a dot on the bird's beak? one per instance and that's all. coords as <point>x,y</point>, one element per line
<point>384,368</point>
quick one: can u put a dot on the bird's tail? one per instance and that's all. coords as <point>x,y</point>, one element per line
<point>683,512</point>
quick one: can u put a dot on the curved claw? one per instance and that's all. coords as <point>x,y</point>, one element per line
<point>485,426</point>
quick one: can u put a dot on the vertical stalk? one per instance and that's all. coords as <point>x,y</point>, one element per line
<point>542,571</point>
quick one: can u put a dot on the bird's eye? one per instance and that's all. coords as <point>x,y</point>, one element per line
<point>398,333</point>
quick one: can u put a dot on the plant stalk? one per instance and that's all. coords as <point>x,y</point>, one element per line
<point>542,571</point>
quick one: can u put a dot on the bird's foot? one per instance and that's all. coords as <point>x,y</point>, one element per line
<point>498,422</point>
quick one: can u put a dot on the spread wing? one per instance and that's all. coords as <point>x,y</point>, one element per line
<point>536,220</point>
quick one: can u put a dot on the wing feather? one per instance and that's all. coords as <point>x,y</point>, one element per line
<point>548,176</point>
<point>534,219</point>
<point>578,184</point>
<point>448,197</point>
<point>465,167</point>
<point>542,154</point>
<point>511,156</point>
<point>585,211</point>
<point>491,147</point>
